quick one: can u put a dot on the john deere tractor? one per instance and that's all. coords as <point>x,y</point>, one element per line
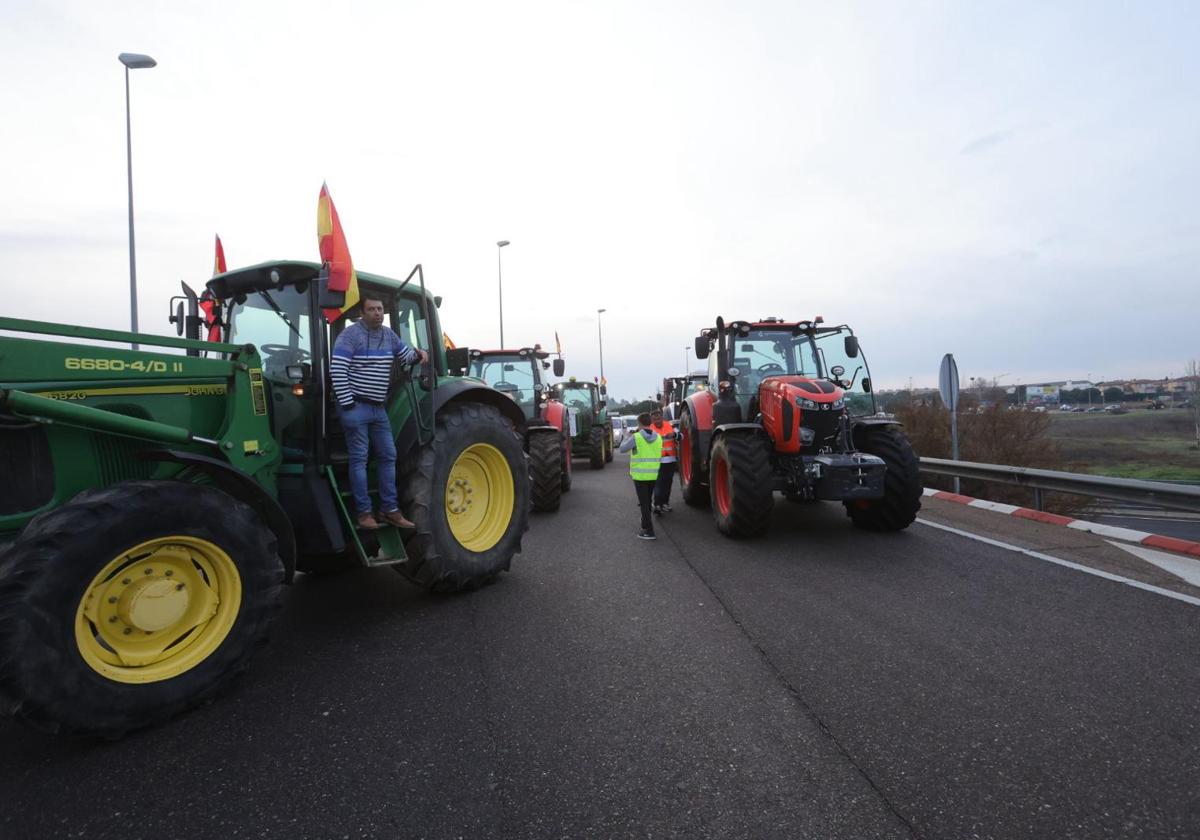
<point>547,430</point>
<point>781,413</point>
<point>587,402</point>
<point>154,501</point>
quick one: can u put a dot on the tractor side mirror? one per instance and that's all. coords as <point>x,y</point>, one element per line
<point>701,347</point>
<point>299,373</point>
<point>852,346</point>
<point>177,318</point>
<point>866,385</point>
<point>559,367</point>
<point>329,299</point>
<point>457,360</point>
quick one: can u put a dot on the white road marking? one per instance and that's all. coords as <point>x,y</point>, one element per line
<point>1183,567</point>
<point>1137,584</point>
<point>1113,531</point>
<point>999,507</point>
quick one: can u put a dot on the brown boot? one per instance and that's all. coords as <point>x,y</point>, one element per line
<point>367,521</point>
<point>395,517</point>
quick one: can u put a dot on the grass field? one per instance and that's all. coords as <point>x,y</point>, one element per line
<point>1141,444</point>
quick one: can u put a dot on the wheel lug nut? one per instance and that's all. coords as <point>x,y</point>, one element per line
<point>149,571</point>
<point>112,599</point>
<point>178,587</point>
<point>127,630</point>
<point>169,572</point>
<point>112,619</point>
<point>126,581</point>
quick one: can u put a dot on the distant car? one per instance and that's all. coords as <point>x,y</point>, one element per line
<point>1040,409</point>
<point>1115,409</point>
<point>1065,407</point>
<point>1094,409</point>
<point>619,430</point>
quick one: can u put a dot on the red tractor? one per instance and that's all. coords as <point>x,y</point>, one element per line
<point>547,432</point>
<point>781,413</point>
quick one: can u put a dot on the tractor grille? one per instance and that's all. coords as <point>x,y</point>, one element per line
<point>825,425</point>
<point>115,459</point>
<point>26,466</point>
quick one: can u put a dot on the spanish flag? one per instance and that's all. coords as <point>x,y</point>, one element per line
<point>335,254</point>
<point>209,304</point>
<point>219,259</point>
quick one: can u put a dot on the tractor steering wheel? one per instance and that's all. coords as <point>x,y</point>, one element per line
<point>504,386</point>
<point>770,368</point>
<point>298,354</point>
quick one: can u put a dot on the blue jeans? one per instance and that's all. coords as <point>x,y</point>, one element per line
<point>367,427</point>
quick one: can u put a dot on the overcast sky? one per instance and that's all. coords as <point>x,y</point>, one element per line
<point>1016,183</point>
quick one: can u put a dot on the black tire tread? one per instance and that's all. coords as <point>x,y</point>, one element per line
<point>901,483</point>
<point>596,447</point>
<point>545,468</point>
<point>751,498</point>
<point>695,494</point>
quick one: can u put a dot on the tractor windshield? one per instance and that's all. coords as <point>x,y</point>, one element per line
<point>276,322</point>
<point>579,396</point>
<point>763,353</point>
<point>510,374</point>
<point>856,376</point>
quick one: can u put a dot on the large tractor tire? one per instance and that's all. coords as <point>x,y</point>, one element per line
<point>901,483</point>
<point>467,491</point>
<point>691,480</point>
<point>131,604</point>
<point>566,460</point>
<point>545,470</point>
<point>739,480</point>
<point>608,444</point>
<point>596,448</point>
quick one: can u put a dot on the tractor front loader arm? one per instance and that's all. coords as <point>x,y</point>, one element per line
<point>45,409</point>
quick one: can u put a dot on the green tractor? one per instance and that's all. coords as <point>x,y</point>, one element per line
<point>154,502</point>
<point>518,374</point>
<point>587,402</point>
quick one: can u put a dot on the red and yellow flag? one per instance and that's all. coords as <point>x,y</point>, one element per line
<point>207,303</point>
<point>219,259</point>
<point>335,254</point>
<point>450,345</point>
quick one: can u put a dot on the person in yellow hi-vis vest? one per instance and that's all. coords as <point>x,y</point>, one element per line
<point>646,446</point>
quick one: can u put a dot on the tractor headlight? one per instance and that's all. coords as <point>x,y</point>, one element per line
<point>734,372</point>
<point>807,435</point>
<point>840,402</point>
<point>806,403</point>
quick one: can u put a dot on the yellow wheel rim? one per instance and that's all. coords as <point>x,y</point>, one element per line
<point>158,610</point>
<point>479,497</point>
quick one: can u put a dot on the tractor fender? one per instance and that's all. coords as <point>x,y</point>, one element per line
<point>460,391</point>
<point>555,413</point>
<point>734,428</point>
<point>245,489</point>
<point>700,405</point>
<point>876,420</point>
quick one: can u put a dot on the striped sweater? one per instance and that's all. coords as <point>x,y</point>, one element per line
<point>362,363</point>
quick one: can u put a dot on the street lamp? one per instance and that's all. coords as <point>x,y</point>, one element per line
<point>500,281</point>
<point>132,61</point>
<point>600,332</point>
<point>686,351</point>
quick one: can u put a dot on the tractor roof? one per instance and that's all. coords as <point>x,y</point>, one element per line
<point>277,273</point>
<point>523,351</point>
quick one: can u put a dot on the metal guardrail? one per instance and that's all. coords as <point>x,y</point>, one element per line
<point>1161,494</point>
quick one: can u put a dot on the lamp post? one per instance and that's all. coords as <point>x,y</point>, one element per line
<point>600,333</point>
<point>686,351</point>
<point>500,282</point>
<point>132,61</point>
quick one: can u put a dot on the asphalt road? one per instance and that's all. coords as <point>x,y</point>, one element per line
<point>821,682</point>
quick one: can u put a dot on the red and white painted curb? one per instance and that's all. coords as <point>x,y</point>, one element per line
<point>1110,531</point>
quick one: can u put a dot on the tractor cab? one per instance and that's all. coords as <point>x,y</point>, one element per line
<point>518,374</point>
<point>587,398</point>
<point>587,403</point>
<point>747,359</point>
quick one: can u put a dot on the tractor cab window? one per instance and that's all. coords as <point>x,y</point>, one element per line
<point>410,324</point>
<point>277,323</point>
<point>580,398</point>
<point>763,353</point>
<point>832,350</point>
<point>511,375</point>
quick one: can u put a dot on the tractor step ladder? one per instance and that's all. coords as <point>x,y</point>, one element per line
<point>391,545</point>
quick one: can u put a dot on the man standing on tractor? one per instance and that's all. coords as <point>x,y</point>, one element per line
<point>361,370</point>
<point>666,469</point>
<point>647,448</point>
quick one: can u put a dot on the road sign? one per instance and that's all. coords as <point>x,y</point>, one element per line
<point>948,382</point>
